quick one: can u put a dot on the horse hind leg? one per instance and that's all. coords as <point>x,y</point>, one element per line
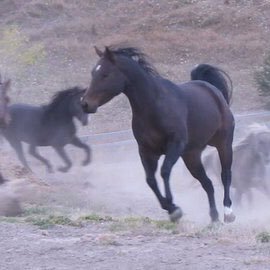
<point>193,162</point>
<point>225,155</point>
<point>34,153</point>
<point>61,152</point>
<point>77,142</point>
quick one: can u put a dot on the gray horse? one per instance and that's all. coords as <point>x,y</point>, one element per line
<point>48,125</point>
<point>4,113</point>
<point>251,157</point>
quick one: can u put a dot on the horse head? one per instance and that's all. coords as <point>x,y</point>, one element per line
<point>107,81</point>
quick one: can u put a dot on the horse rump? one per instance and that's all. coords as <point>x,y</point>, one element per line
<point>215,76</point>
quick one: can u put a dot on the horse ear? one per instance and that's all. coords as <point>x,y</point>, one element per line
<point>109,55</point>
<point>98,51</point>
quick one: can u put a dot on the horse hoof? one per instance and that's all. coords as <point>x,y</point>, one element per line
<point>176,214</point>
<point>85,163</point>
<point>229,218</point>
<point>63,170</point>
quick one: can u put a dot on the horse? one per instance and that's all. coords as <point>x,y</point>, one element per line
<point>168,119</point>
<point>4,114</point>
<point>251,158</point>
<point>4,101</point>
<point>48,125</point>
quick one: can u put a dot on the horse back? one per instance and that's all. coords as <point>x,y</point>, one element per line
<point>25,115</point>
<point>25,121</point>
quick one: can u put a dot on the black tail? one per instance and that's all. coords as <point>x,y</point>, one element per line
<point>216,77</point>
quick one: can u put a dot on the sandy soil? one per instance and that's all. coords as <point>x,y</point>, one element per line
<point>112,219</point>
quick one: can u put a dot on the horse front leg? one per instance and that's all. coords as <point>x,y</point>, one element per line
<point>34,153</point>
<point>61,152</point>
<point>174,151</point>
<point>17,145</point>
<point>77,142</point>
<point>150,163</point>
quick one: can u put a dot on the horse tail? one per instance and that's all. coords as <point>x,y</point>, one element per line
<point>215,76</point>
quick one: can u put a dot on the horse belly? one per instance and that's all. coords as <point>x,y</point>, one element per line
<point>203,130</point>
<point>152,140</point>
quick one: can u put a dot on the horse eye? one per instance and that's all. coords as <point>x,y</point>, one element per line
<point>105,75</point>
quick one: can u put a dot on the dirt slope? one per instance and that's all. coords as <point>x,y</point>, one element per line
<point>48,45</point>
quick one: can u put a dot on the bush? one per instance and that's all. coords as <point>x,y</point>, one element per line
<point>263,237</point>
<point>262,77</point>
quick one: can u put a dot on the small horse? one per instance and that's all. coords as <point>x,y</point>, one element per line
<point>251,157</point>
<point>168,119</point>
<point>4,101</point>
<point>4,114</point>
<point>48,125</point>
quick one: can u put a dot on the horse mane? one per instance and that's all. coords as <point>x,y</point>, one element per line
<point>62,99</point>
<point>215,76</point>
<point>138,56</point>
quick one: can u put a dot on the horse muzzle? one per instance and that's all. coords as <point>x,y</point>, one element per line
<point>88,108</point>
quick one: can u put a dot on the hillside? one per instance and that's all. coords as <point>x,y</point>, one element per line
<point>46,46</point>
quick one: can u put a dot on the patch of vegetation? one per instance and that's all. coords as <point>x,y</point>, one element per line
<point>35,210</point>
<point>46,217</point>
<point>11,219</point>
<point>211,229</point>
<point>51,220</point>
<point>95,218</point>
<point>263,237</point>
<point>262,77</point>
<point>143,222</point>
<point>166,225</point>
<point>17,51</point>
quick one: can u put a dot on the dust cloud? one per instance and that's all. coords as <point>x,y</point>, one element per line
<point>114,184</point>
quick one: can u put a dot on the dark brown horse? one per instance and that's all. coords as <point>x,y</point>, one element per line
<point>169,119</point>
<point>4,114</point>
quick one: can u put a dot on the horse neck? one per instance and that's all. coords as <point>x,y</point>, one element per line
<point>141,90</point>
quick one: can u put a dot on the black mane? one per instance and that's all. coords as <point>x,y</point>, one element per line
<point>138,56</point>
<point>61,100</point>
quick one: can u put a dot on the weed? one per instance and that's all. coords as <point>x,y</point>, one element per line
<point>263,237</point>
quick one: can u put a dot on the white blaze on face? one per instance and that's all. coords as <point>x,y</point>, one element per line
<point>227,210</point>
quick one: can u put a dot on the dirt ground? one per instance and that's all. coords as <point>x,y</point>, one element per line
<point>104,216</point>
